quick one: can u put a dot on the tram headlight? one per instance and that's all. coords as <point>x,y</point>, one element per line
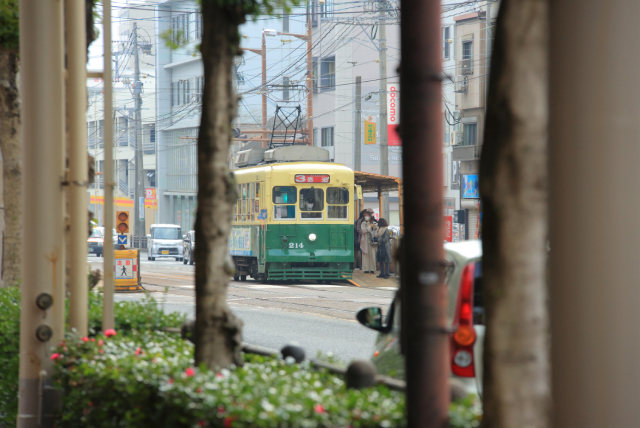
<point>312,237</point>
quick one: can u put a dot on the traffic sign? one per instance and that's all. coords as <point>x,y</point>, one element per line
<point>122,239</point>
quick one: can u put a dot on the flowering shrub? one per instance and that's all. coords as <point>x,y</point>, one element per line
<point>149,380</point>
<point>9,354</point>
<point>129,316</point>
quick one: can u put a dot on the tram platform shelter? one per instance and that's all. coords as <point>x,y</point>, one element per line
<point>379,184</point>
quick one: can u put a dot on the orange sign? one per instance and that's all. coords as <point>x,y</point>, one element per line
<point>150,193</point>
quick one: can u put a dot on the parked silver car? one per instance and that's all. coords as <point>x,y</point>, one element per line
<point>465,314</point>
<point>164,241</point>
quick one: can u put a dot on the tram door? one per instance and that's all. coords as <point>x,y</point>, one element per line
<point>262,241</point>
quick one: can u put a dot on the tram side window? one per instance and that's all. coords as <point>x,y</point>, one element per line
<point>284,195</point>
<point>337,200</point>
<point>311,203</point>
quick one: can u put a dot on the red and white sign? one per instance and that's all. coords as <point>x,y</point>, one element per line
<point>376,213</point>
<point>312,178</point>
<point>393,109</point>
<point>150,193</point>
<point>448,228</point>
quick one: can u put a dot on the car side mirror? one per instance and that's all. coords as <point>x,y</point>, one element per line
<point>148,236</point>
<point>371,317</point>
<point>184,237</point>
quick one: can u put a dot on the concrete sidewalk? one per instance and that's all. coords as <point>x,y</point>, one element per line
<point>369,280</point>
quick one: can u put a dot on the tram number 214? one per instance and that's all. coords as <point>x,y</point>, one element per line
<point>296,245</point>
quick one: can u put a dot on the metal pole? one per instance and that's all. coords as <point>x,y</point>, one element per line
<point>423,293</point>
<point>263,54</point>
<point>487,58</point>
<point>384,141</point>
<point>139,188</point>
<point>43,134</point>
<point>357,143</point>
<point>109,213</point>
<point>76,49</point>
<point>309,80</point>
<point>595,347</point>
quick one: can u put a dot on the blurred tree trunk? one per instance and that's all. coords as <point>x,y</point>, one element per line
<point>11,167</point>
<point>217,331</point>
<point>513,181</point>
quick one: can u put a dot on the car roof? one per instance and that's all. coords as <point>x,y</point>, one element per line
<point>465,249</point>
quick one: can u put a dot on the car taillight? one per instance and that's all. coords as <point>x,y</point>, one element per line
<point>462,340</point>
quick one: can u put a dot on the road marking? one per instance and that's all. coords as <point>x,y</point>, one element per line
<point>258,286</point>
<point>387,288</point>
<point>354,283</point>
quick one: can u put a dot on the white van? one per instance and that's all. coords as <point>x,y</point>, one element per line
<point>164,241</point>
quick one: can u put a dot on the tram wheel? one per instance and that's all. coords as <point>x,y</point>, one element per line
<point>236,277</point>
<point>243,277</point>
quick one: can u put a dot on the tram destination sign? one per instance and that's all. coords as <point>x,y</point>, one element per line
<point>312,178</point>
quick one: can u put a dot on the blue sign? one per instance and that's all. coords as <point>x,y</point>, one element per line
<point>122,239</point>
<point>262,215</point>
<point>470,188</point>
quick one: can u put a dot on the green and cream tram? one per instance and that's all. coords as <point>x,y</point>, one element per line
<point>294,219</point>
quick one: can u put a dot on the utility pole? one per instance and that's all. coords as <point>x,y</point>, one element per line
<point>384,141</point>
<point>43,267</point>
<point>309,80</point>
<point>263,54</point>
<point>487,57</point>
<point>109,184</point>
<point>138,187</point>
<point>423,292</point>
<point>76,95</point>
<point>357,143</point>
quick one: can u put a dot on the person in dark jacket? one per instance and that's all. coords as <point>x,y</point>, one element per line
<point>384,248</point>
<point>357,234</point>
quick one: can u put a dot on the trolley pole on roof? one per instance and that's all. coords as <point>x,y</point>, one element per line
<point>423,293</point>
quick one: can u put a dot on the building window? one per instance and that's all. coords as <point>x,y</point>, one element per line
<point>326,9</point>
<point>470,134</point>
<point>315,75</point>
<point>327,137</point>
<point>446,47</point>
<point>467,50</point>
<point>328,72</point>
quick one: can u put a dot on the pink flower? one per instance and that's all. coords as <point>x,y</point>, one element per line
<point>318,408</point>
<point>189,372</point>
<point>219,375</point>
<point>55,356</point>
<point>102,351</point>
<point>93,339</point>
<point>228,422</point>
<point>110,332</point>
<point>138,351</point>
<point>170,381</point>
<point>201,423</point>
<point>90,404</point>
<point>220,409</point>
<point>199,390</point>
<point>100,342</point>
<point>85,339</point>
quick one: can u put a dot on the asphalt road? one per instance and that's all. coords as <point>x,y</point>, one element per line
<point>318,317</point>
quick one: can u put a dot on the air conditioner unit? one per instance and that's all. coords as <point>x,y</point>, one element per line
<point>462,83</point>
<point>466,67</point>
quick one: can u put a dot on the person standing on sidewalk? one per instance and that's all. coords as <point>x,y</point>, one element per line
<point>384,248</point>
<point>367,242</point>
<point>357,236</point>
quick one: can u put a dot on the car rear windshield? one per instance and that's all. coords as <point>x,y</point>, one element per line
<point>95,233</point>
<point>166,233</point>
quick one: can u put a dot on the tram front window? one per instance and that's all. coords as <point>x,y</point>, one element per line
<point>284,195</point>
<point>337,200</point>
<point>311,203</point>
